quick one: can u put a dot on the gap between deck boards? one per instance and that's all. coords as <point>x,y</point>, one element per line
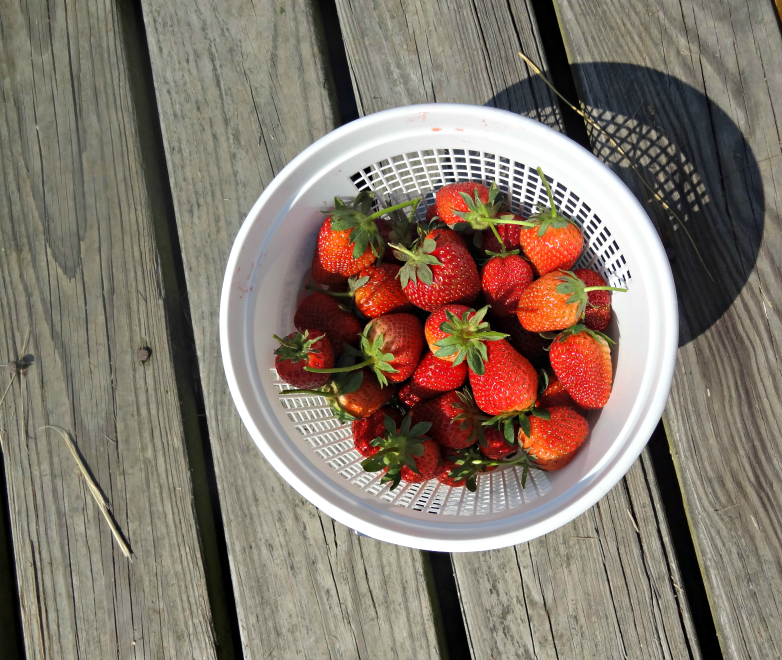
<point>185,360</point>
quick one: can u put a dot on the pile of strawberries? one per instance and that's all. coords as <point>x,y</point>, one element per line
<point>468,345</point>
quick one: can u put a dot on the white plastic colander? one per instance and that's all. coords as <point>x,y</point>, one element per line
<point>401,154</point>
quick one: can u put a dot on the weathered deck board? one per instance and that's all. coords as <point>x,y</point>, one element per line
<point>706,117</point>
<point>596,588</point>
<point>242,88</point>
<point>79,269</point>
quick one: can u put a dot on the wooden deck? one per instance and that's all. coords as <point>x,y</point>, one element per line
<point>134,138</point>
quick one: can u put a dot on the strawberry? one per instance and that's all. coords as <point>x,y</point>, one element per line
<point>391,345</point>
<point>298,350</point>
<point>404,453</point>
<point>581,359</point>
<point>456,422</point>
<point>427,466</point>
<point>497,447</point>
<point>461,467</point>
<point>530,344</point>
<point>377,291</point>
<point>367,429</point>
<point>554,242</point>
<point>504,278</point>
<point>319,310</point>
<point>471,204</point>
<point>431,377</point>
<point>456,338</point>
<point>555,301</point>
<point>552,443</point>
<point>437,272</point>
<point>449,201</point>
<point>352,396</point>
<point>431,213</point>
<point>349,239</point>
<point>432,330</point>
<point>509,383</point>
<point>442,236</point>
<point>597,315</point>
<point>555,394</point>
<point>509,234</point>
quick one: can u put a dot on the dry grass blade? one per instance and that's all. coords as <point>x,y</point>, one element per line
<point>95,490</point>
<point>635,169</point>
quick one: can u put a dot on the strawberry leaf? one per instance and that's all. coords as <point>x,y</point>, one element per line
<point>508,431</point>
<point>525,425</point>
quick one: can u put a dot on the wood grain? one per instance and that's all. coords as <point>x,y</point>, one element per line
<point>242,88</point>
<point>607,584</point>
<point>699,101</point>
<point>79,270</point>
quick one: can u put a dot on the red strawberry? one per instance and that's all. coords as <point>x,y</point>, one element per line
<point>427,465</point>
<point>497,447</point>
<point>551,444</point>
<point>530,344</point>
<point>456,338</point>
<point>400,336</point>
<point>555,394</point>
<point>432,376</point>
<point>581,359</point>
<point>431,212</point>
<point>461,468</point>
<point>377,291</point>
<point>442,236</point>
<point>297,350</point>
<point>367,398</point>
<point>509,383</point>
<point>456,422</point>
<point>432,329</point>
<point>597,315</point>
<point>554,242</point>
<point>353,395</point>
<point>449,200</point>
<point>349,239</point>
<point>322,276</point>
<point>510,235</point>
<point>367,429</point>
<point>503,280</point>
<point>438,272</point>
<point>392,346</point>
<point>320,310</point>
<point>554,302</point>
<point>405,453</point>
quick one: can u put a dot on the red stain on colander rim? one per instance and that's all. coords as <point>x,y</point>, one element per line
<point>437,129</point>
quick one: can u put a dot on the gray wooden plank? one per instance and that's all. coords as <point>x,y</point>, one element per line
<point>598,587</point>
<point>80,271</point>
<point>242,88</point>
<point>700,102</point>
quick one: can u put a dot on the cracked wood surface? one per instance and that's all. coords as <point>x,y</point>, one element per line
<point>79,269</point>
<point>607,584</point>
<point>706,127</point>
<point>242,87</point>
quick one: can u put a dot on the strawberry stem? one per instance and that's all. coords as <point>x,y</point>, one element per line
<point>339,370</point>
<point>548,189</point>
<point>396,207</point>
<point>604,288</point>
<point>336,294</point>
<point>328,395</point>
<point>523,223</point>
<point>497,236</point>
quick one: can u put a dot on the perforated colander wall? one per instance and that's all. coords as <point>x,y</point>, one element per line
<point>422,173</point>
